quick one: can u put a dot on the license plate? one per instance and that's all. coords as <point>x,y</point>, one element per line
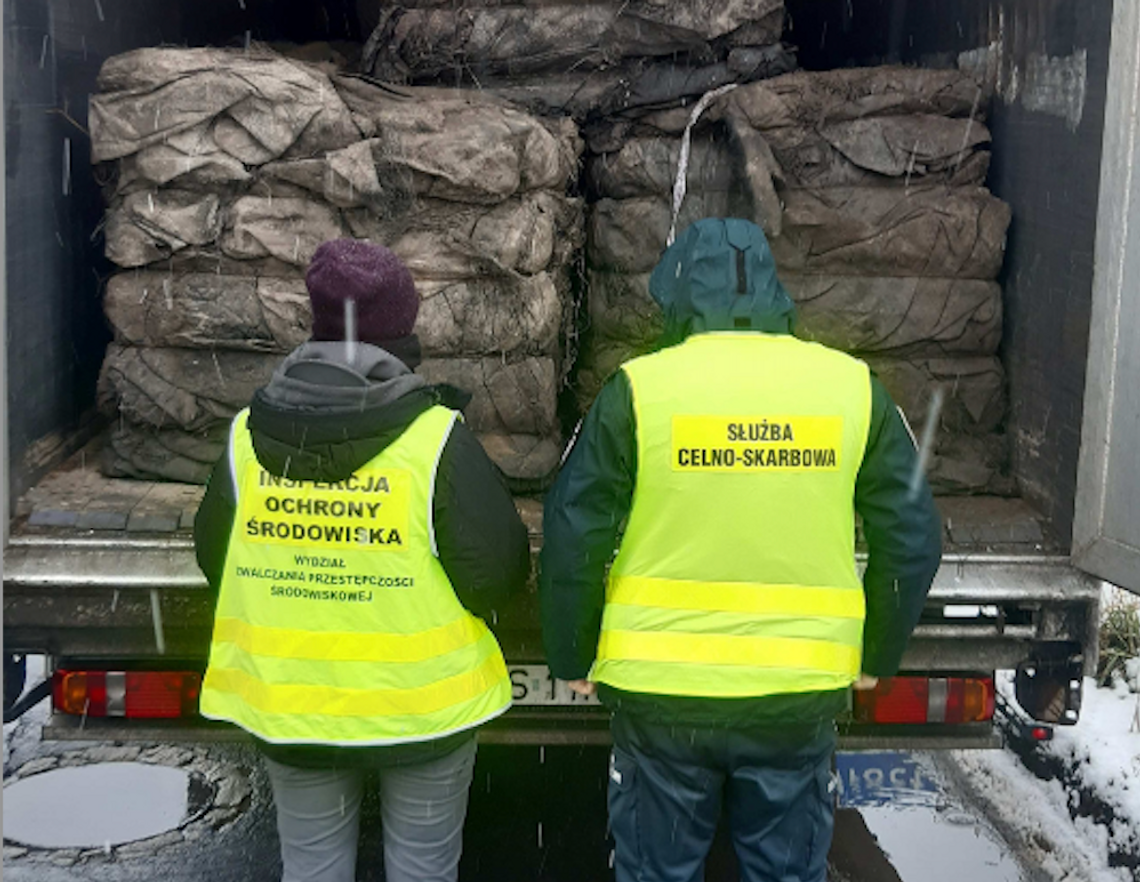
<point>533,685</point>
<point>884,778</point>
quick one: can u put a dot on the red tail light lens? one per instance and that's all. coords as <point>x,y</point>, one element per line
<point>912,700</point>
<point>131,694</point>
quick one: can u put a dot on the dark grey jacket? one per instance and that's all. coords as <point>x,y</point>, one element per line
<point>720,277</point>
<point>320,420</point>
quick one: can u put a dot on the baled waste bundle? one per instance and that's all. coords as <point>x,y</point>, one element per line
<point>139,451</point>
<point>881,151</point>
<point>876,231</point>
<point>585,60</point>
<point>902,317</point>
<point>204,116</point>
<point>919,149</point>
<point>226,170</point>
<point>870,185</point>
<point>272,314</point>
<point>193,389</point>
<point>188,390</point>
<point>166,391</point>
<point>509,397</point>
<point>938,232</point>
<point>528,38</point>
<point>208,310</point>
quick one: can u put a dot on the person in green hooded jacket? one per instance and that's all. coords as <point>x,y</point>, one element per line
<point>727,468</point>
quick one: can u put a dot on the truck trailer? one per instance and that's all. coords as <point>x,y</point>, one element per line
<point>100,575</point>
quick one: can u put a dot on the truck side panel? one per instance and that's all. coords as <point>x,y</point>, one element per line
<point>1107,533</point>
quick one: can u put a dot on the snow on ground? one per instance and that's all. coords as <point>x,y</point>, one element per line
<point>1102,754</point>
<point>1036,813</point>
<point>1091,809</point>
<point>21,736</point>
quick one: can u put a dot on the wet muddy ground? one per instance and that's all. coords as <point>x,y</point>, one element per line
<point>535,814</point>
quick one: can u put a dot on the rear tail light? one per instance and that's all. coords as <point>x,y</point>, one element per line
<point>926,700</point>
<point>131,694</point>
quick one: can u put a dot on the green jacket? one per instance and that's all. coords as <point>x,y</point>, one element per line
<point>719,276</point>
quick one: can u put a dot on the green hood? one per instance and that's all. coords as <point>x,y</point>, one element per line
<point>720,276</point>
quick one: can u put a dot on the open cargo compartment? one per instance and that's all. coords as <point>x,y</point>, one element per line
<point>90,559</point>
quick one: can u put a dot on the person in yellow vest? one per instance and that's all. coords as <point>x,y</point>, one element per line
<point>733,621</point>
<point>357,535</point>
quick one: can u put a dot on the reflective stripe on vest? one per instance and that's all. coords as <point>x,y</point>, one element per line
<point>736,575</point>
<point>336,623</point>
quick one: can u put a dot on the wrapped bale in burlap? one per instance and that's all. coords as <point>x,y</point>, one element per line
<point>970,450</point>
<point>201,117</point>
<point>974,386</point>
<point>586,60</point>
<point>230,169</point>
<point>208,311</point>
<point>176,400</point>
<point>814,98</point>
<point>423,44</point>
<point>140,451</point>
<point>509,397</point>
<point>902,317</point>
<point>863,315</point>
<point>883,151</point>
<point>272,314</point>
<point>929,232</point>
<point>880,151</point>
<point>860,172</point>
<point>935,232</point>
<point>190,390</point>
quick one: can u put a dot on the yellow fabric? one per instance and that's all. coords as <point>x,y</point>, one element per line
<point>347,645</point>
<point>756,599</point>
<point>736,574</point>
<point>335,622</point>
<point>722,649</point>
<point>365,703</point>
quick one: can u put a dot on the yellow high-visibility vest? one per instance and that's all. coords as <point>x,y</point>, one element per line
<point>336,623</point>
<point>736,574</point>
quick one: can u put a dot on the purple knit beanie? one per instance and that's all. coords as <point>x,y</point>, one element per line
<point>379,282</point>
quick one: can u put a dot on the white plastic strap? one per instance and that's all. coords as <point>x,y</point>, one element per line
<point>681,184</point>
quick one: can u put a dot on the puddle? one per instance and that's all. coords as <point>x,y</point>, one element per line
<point>925,845</point>
<point>920,826</point>
<point>100,805</point>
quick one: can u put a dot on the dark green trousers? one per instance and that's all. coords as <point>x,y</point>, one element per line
<point>669,784</point>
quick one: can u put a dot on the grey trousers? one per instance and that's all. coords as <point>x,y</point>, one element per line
<point>422,809</point>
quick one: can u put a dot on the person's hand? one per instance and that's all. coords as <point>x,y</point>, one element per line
<point>583,687</point>
<point>865,683</point>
